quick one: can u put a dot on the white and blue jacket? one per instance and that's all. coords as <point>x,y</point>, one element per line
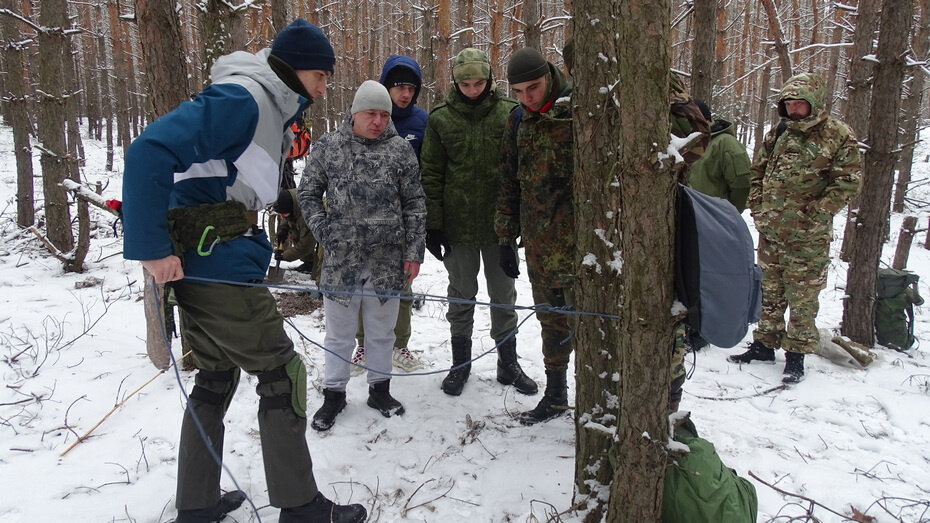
<point>229,143</point>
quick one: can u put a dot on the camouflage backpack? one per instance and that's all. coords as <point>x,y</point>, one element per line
<point>894,308</point>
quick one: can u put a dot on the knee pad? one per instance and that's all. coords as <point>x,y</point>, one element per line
<point>215,387</point>
<point>284,387</point>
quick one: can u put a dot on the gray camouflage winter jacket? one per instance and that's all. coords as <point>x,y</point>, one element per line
<point>375,213</point>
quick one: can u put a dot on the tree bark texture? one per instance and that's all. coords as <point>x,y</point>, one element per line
<point>778,37</point>
<point>162,54</point>
<point>703,54</point>
<point>53,17</point>
<point>878,171</point>
<point>905,240</point>
<point>910,111</point>
<point>622,374</point>
<point>18,114</point>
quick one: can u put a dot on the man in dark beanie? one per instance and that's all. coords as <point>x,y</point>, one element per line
<point>193,184</point>
<point>535,203</point>
<point>461,178</point>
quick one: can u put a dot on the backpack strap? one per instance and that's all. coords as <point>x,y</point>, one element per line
<point>515,116</point>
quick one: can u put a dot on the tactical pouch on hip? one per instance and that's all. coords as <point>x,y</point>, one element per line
<point>200,228</point>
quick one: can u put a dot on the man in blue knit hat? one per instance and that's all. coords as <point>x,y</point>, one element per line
<point>193,184</point>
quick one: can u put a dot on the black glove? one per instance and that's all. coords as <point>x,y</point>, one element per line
<point>436,242</point>
<point>279,255</point>
<point>509,261</point>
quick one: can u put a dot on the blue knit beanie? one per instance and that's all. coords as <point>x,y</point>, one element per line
<point>303,46</point>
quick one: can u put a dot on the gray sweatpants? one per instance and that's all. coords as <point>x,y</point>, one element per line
<point>341,324</point>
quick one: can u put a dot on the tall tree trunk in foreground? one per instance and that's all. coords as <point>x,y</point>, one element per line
<point>878,172</point>
<point>53,18</point>
<point>621,185</point>
<point>162,54</point>
<point>702,55</point>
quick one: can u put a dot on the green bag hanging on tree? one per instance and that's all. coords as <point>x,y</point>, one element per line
<point>896,293</point>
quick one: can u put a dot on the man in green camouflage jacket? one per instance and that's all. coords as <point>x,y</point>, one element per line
<point>460,169</point>
<point>535,204</point>
<point>806,170</point>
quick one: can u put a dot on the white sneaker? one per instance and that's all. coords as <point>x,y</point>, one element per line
<point>404,360</point>
<point>358,358</point>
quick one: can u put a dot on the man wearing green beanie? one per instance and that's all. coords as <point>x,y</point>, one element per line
<point>460,168</point>
<point>535,204</point>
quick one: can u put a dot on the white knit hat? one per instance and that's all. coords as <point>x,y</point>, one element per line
<point>371,95</point>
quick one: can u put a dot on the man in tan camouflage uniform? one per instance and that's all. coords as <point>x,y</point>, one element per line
<point>805,172</point>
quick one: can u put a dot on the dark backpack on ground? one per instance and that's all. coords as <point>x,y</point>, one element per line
<point>716,276</point>
<point>894,309</point>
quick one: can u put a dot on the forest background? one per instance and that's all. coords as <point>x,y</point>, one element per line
<point>100,68</point>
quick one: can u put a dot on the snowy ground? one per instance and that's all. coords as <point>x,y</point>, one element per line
<point>842,437</point>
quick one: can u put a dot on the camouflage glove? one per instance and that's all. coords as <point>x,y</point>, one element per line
<point>509,262</point>
<point>436,242</point>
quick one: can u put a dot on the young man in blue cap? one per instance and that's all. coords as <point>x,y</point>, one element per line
<point>194,182</point>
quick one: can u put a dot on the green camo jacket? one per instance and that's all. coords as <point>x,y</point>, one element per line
<point>536,190</point>
<point>723,169</point>
<point>801,178</point>
<point>460,166</point>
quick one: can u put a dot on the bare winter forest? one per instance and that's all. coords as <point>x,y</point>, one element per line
<point>103,69</point>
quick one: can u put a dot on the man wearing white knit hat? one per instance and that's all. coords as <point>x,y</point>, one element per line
<point>373,233</point>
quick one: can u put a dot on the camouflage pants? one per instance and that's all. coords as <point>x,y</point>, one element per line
<point>556,328</point>
<point>793,274</point>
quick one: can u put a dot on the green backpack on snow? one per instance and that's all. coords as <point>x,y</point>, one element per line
<point>700,488</point>
<point>896,295</point>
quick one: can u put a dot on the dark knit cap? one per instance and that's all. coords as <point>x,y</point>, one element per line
<point>401,76</point>
<point>284,204</point>
<point>303,46</point>
<point>526,65</point>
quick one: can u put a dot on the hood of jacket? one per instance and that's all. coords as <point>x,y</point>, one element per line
<point>399,60</point>
<point>231,68</point>
<point>807,87</point>
<point>721,126</point>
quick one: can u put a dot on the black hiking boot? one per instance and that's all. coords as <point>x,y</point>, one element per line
<point>554,402</point>
<point>333,403</point>
<point>322,509</point>
<point>228,502</point>
<point>757,352</point>
<point>461,355</point>
<point>380,399</point>
<point>509,371</point>
<point>794,368</point>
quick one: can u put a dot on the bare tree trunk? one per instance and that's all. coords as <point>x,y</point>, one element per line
<point>778,37</point>
<point>19,120</point>
<point>878,171</point>
<point>623,423</point>
<point>222,31</point>
<point>162,54</point>
<point>764,106</point>
<point>53,17</point>
<point>905,239</point>
<point>834,65</point>
<point>910,114</point>
<point>531,30</point>
<point>702,53</point>
<point>279,18</point>
<point>859,86</point>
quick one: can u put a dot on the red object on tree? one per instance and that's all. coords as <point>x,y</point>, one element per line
<point>115,205</point>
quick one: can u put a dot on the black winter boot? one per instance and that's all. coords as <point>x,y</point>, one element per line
<point>794,367</point>
<point>553,403</point>
<point>757,352</point>
<point>380,399</point>
<point>461,354</point>
<point>228,502</point>
<point>322,509</point>
<point>509,371</point>
<point>333,403</point>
